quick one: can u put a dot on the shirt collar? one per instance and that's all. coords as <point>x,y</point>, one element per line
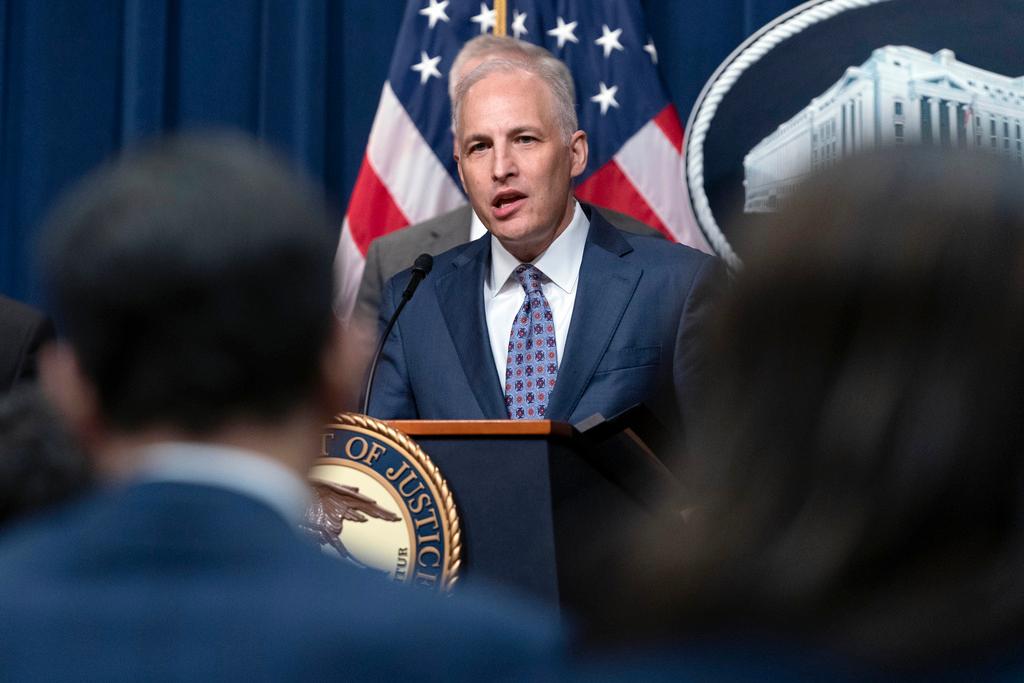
<point>560,262</point>
<point>245,472</point>
<point>477,229</point>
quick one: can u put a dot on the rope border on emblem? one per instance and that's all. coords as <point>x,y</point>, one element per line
<point>454,562</point>
<point>745,56</point>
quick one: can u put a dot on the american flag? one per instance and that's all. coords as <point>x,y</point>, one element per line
<point>408,174</point>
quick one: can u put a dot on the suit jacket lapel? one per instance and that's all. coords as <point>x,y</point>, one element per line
<point>606,285</point>
<point>460,294</point>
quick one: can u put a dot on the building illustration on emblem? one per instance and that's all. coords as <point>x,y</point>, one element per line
<point>900,95</point>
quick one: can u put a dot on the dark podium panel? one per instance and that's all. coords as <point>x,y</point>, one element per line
<point>538,507</point>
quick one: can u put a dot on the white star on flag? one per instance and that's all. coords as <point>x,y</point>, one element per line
<point>651,50</point>
<point>606,98</point>
<point>427,67</point>
<point>487,18</point>
<point>564,32</point>
<point>435,12</point>
<point>609,40</point>
<point>519,24</point>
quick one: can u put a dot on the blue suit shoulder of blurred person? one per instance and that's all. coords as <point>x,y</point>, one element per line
<point>632,338</point>
<point>23,331</point>
<point>768,658</point>
<point>390,254</point>
<point>174,581</point>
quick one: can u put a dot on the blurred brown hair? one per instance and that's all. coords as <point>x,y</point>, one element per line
<point>858,461</point>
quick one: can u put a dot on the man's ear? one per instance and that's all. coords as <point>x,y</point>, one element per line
<point>580,151</point>
<point>71,392</point>
<point>455,155</point>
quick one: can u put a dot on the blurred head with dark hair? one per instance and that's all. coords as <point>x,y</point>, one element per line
<point>193,281</point>
<point>859,459</point>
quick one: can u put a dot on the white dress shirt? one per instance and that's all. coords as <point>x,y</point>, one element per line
<point>503,295</point>
<point>235,469</point>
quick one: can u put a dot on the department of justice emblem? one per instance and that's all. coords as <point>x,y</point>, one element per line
<point>858,75</point>
<point>382,504</point>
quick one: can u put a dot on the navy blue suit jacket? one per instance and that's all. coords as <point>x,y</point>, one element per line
<point>632,339</point>
<point>185,582</point>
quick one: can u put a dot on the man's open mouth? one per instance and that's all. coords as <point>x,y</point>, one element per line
<point>505,203</point>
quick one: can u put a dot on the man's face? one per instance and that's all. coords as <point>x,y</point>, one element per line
<point>514,163</point>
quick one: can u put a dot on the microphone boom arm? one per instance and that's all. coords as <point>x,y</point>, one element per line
<point>420,269</point>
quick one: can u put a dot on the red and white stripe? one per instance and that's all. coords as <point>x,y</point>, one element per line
<point>402,182</point>
<point>646,180</point>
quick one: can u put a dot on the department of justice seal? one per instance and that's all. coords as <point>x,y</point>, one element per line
<point>381,504</point>
<point>831,79</point>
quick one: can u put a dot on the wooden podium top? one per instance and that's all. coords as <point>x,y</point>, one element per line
<point>508,428</point>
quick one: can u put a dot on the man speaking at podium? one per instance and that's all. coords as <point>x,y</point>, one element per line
<point>555,314</point>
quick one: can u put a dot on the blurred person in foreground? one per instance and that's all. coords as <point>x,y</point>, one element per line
<point>859,468</point>
<point>40,464</point>
<point>193,279</point>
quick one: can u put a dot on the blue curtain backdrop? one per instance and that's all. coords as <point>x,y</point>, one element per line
<point>81,79</point>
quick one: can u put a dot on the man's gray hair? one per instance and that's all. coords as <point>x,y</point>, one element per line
<point>487,46</point>
<point>554,73</point>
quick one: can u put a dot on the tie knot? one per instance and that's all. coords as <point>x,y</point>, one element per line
<point>529,277</point>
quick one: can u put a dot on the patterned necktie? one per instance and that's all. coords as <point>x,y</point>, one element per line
<point>532,358</point>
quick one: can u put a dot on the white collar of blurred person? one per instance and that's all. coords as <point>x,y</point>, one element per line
<point>287,445</point>
<point>238,470</point>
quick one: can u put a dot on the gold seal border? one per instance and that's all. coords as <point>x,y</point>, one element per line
<point>434,479</point>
